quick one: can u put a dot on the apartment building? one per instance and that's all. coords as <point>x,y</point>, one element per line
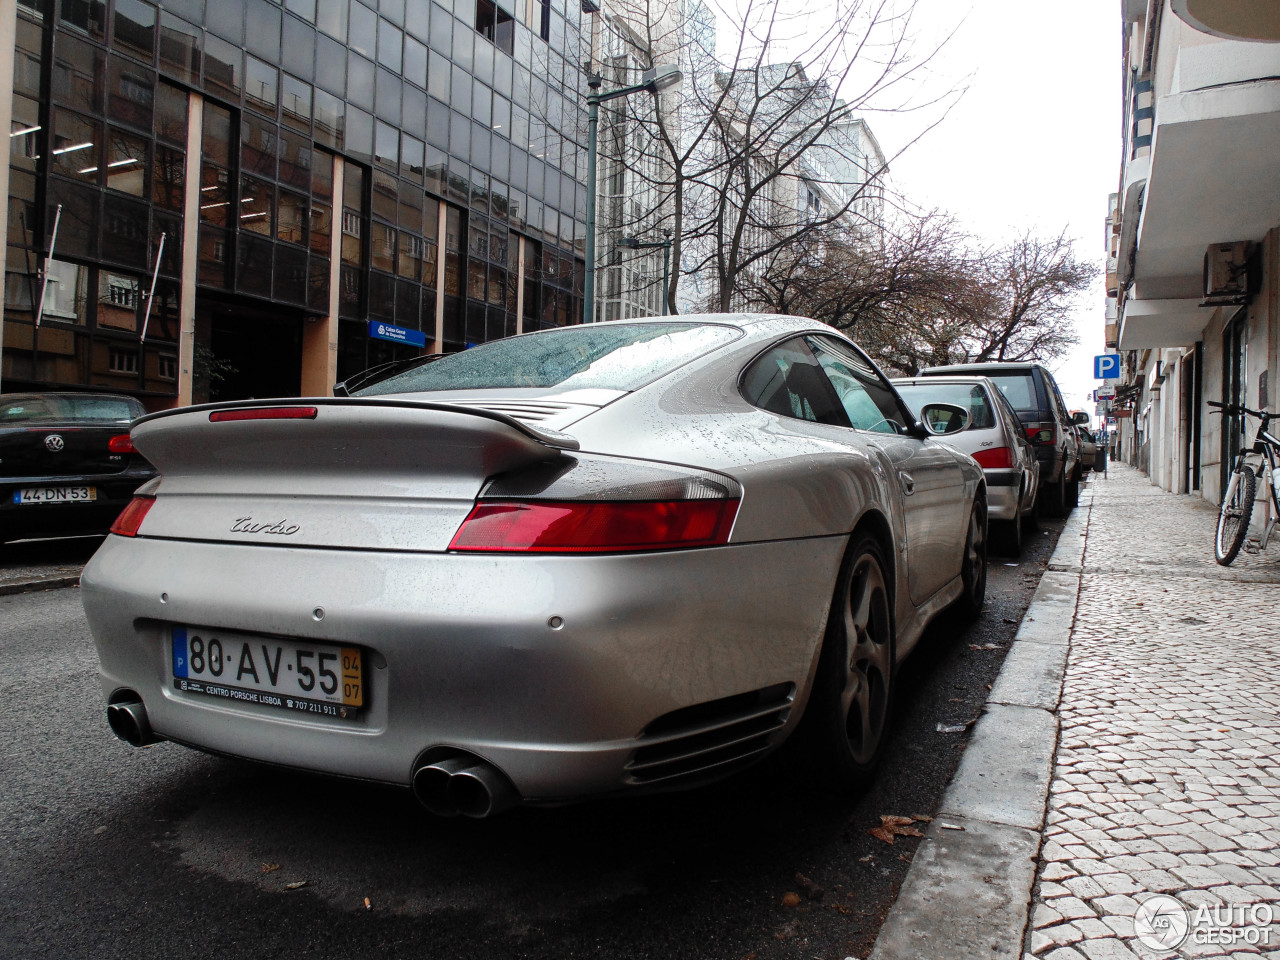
<point>1194,234</point>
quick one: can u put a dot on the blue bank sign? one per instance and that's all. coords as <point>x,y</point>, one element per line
<point>1107,366</point>
<point>387,331</point>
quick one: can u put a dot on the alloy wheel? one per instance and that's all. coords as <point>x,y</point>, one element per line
<point>865,698</point>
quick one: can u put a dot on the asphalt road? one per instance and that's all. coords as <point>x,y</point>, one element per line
<point>110,851</point>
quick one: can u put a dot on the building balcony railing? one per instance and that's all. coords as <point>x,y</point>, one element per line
<point>1142,119</point>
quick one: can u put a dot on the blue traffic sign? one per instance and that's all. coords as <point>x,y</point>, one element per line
<point>387,331</point>
<point>1107,366</point>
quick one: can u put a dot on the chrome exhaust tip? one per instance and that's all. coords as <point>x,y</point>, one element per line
<point>431,785</point>
<point>128,721</point>
<point>463,785</point>
<point>482,791</point>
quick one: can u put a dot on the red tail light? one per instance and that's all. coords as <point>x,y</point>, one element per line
<point>264,413</point>
<point>994,458</point>
<point>131,517</point>
<point>592,527</point>
<point>121,443</point>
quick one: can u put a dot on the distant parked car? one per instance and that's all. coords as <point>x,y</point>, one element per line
<point>1088,447</point>
<point>1032,392</point>
<point>67,465</point>
<point>994,437</point>
<point>613,557</point>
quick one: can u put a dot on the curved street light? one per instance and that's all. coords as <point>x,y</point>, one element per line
<point>652,81</point>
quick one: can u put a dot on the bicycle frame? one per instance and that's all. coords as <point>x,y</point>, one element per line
<point>1262,456</point>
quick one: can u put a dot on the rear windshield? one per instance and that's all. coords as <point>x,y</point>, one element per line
<point>970,396</point>
<point>1019,389</point>
<point>613,357</point>
<point>62,408</point>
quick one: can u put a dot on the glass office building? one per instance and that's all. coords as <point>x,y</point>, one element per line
<point>220,199</point>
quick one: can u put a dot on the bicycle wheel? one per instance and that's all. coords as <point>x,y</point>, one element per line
<point>1233,517</point>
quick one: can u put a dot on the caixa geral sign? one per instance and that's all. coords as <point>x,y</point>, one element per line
<point>387,331</point>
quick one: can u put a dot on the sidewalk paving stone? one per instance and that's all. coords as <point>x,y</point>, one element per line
<point>1155,667</point>
<point>1169,720</point>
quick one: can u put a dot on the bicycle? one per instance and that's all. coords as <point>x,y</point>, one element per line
<point>1257,461</point>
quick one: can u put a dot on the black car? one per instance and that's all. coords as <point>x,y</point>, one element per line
<point>67,465</point>
<point>1034,394</point>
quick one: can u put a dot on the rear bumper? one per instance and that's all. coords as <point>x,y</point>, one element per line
<point>1051,459</point>
<point>1003,488</point>
<point>19,520</point>
<point>459,651</point>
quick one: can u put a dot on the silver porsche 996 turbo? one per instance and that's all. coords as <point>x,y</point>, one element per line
<point>625,556</point>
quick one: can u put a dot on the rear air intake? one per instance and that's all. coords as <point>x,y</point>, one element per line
<point>710,738</point>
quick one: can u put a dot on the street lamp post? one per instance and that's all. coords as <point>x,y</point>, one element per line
<point>653,81</point>
<point>634,243</point>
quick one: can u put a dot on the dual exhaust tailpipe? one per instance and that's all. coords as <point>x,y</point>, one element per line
<point>128,721</point>
<point>463,785</point>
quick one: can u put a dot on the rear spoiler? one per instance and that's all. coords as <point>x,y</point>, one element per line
<point>551,438</point>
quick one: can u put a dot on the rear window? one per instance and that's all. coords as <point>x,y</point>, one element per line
<point>62,408</point>
<point>970,396</point>
<point>1018,388</point>
<point>613,357</point>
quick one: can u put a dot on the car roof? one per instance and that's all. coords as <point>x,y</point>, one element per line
<point>985,381</point>
<point>986,367</point>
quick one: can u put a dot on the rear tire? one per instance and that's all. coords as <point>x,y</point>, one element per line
<point>845,725</point>
<point>973,570</point>
<point>1011,537</point>
<point>1052,501</point>
<point>1234,514</point>
<point>1073,490</point>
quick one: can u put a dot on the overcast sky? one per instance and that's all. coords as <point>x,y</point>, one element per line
<point>1034,142</point>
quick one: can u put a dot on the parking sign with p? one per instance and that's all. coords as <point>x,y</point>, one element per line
<point>1107,366</point>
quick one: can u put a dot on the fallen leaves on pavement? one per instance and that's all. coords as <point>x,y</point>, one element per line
<point>891,826</point>
<point>810,889</point>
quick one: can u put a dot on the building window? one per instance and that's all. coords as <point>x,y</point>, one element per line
<point>121,360</point>
<point>496,25</point>
<point>167,367</point>
<point>121,292</point>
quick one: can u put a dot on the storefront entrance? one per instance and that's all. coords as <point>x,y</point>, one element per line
<point>245,350</point>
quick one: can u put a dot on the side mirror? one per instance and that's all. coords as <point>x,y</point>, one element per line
<point>942,419</point>
<point>1081,419</point>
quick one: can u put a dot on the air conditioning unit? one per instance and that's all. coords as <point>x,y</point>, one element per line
<point>1226,273</point>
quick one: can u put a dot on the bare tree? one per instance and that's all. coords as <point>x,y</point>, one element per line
<point>748,134</point>
<point>1034,281</point>
<point>931,294</point>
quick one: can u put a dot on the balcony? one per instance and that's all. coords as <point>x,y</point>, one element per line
<point>1232,19</point>
<point>1211,179</point>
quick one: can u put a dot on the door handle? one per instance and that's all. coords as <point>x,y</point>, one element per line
<point>907,482</point>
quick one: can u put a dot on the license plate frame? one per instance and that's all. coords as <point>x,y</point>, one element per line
<point>297,680</point>
<point>78,493</point>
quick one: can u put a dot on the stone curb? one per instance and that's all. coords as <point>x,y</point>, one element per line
<point>968,890</point>
<point>30,584</point>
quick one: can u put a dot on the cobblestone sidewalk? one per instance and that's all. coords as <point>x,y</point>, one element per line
<point>1164,809</point>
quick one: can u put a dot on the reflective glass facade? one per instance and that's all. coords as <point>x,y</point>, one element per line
<point>325,161</point>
